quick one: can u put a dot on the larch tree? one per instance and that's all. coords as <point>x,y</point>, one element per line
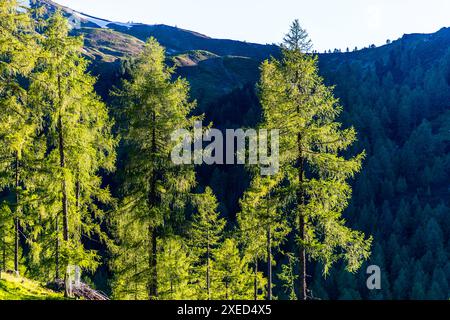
<point>6,237</point>
<point>153,107</point>
<point>206,234</point>
<point>19,122</point>
<point>298,38</point>
<point>233,277</point>
<point>79,144</point>
<point>175,266</point>
<point>262,228</point>
<point>312,160</point>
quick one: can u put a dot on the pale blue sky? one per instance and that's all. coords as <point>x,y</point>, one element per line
<point>330,23</point>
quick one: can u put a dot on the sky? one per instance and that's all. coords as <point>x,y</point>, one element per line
<point>330,23</point>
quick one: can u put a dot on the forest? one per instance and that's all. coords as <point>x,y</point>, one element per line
<point>87,181</point>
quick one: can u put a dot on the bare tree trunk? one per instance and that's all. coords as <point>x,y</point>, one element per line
<point>16,218</point>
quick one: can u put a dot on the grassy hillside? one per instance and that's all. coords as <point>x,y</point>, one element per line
<point>107,45</point>
<point>18,288</point>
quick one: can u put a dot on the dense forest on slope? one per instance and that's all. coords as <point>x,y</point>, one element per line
<point>397,97</point>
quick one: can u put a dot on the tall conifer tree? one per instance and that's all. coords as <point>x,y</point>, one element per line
<point>19,123</point>
<point>79,144</point>
<point>232,278</point>
<point>205,237</point>
<point>262,227</point>
<point>312,144</point>
<point>154,107</point>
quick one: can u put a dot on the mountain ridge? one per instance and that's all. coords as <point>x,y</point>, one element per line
<point>176,40</point>
<point>216,67</point>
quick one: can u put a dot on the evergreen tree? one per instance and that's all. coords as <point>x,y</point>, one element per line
<point>288,276</point>
<point>79,145</point>
<point>297,38</point>
<point>205,236</point>
<point>261,227</point>
<point>6,237</point>
<point>19,121</point>
<point>175,270</point>
<point>296,102</point>
<point>153,108</point>
<point>232,278</point>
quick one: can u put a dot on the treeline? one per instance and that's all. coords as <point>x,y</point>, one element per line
<point>60,145</point>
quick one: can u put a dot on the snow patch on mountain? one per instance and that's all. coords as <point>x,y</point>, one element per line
<point>99,22</point>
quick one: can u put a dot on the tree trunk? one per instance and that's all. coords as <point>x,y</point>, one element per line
<point>135,282</point>
<point>255,283</point>
<point>16,218</point>
<point>208,275</point>
<point>57,275</point>
<point>269,263</point>
<point>77,203</point>
<point>302,261</point>
<point>153,203</point>
<point>65,203</point>
<point>226,290</point>
<point>62,159</point>
<point>301,224</point>
<point>153,281</point>
<point>4,253</point>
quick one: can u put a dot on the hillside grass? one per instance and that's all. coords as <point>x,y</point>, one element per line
<point>19,288</point>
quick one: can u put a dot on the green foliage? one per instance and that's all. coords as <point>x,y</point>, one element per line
<point>130,257</point>
<point>206,234</point>
<point>6,237</point>
<point>296,101</point>
<point>297,39</point>
<point>231,277</point>
<point>260,211</point>
<point>175,269</point>
<point>400,197</point>
<point>288,276</point>
<point>262,226</point>
<point>395,96</point>
<point>78,144</point>
<point>19,121</point>
<point>154,189</point>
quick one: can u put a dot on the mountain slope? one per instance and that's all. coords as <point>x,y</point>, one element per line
<point>175,40</point>
<point>214,67</point>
